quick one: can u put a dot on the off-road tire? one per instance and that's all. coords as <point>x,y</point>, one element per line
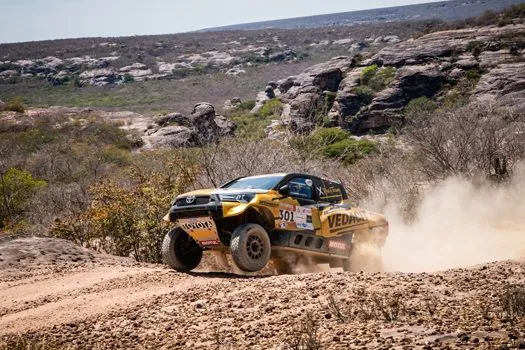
<point>180,251</point>
<point>250,247</point>
<point>347,266</point>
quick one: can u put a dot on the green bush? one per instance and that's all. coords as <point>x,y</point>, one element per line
<point>181,73</point>
<point>473,75</point>
<point>351,150</point>
<point>128,78</point>
<point>364,94</point>
<point>454,99</point>
<point>250,125</point>
<point>368,73</point>
<point>382,78</point>
<point>272,107</point>
<point>420,106</point>
<point>16,188</point>
<point>246,105</point>
<point>475,47</point>
<point>328,136</point>
<point>16,104</point>
<point>104,133</point>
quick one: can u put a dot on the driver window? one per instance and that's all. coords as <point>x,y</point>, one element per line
<point>301,187</point>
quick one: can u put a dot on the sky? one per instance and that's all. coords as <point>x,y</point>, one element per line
<point>31,20</point>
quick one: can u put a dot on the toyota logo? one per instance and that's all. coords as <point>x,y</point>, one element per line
<point>190,199</point>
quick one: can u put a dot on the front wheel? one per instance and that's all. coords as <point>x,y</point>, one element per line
<point>180,251</point>
<point>250,247</point>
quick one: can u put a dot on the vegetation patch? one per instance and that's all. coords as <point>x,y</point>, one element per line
<point>15,104</point>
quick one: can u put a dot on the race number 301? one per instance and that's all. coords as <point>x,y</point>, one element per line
<point>286,215</point>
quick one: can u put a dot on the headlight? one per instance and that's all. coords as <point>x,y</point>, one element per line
<point>237,197</point>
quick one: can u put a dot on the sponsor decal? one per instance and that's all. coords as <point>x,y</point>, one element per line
<point>340,221</point>
<point>199,225</point>
<point>269,204</point>
<point>291,216</point>
<point>209,242</point>
<point>338,245</point>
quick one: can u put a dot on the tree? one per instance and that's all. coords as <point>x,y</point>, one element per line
<point>16,188</point>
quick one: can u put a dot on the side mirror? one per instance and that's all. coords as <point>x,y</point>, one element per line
<point>284,191</point>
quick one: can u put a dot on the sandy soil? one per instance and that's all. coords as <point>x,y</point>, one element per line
<point>70,297</point>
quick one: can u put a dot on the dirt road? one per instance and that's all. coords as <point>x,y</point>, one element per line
<point>102,302</point>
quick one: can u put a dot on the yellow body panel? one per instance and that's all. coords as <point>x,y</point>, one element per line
<point>329,221</point>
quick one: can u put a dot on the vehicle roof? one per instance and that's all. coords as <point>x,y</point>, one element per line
<point>288,175</point>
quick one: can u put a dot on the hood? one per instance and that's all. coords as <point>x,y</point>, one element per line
<point>209,191</point>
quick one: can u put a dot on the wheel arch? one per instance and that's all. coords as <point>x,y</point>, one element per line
<point>260,216</point>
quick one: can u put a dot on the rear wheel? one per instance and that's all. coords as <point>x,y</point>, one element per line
<point>250,247</point>
<point>180,251</point>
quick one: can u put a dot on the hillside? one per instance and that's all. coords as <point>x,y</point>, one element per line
<point>452,10</point>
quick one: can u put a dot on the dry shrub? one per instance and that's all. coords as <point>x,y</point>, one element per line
<point>476,142</point>
<point>236,157</point>
<point>479,140</point>
<point>18,342</point>
<point>335,309</point>
<point>306,336</point>
<point>125,212</point>
<point>512,300</point>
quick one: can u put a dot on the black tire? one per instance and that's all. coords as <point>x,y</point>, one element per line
<point>180,251</point>
<point>250,247</point>
<point>346,265</point>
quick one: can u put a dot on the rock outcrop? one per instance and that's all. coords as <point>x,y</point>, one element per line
<point>427,66</point>
<point>202,126</point>
<point>173,130</point>
<point>231,104</point>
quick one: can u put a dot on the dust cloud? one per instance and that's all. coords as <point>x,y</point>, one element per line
<point>459,224</point>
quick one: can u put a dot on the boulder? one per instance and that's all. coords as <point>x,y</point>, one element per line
<point>133,67</point>
<point>276,130</point>
<point>208,126</point>
<point>174,136</point>
<point>99,77</point>
<point>172,118</point>
<point>507,81</point>
<point>417,81</point>
<point>328,80</point>
<point>201,127</point>
<point>285,55</point>
<point>2,105</point>
<point>232,104</point>
<point>235,71</point>
<point>225,126</point>
<point>269,92</point>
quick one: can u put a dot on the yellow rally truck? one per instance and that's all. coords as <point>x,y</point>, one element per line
<point>279,217</point>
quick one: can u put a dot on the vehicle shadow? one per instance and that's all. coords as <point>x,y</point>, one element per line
<point>224,275</point>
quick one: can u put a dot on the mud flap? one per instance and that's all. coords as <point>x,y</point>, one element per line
<point>202,229</point>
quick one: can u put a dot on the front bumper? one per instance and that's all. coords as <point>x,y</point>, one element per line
<point>213,209</point>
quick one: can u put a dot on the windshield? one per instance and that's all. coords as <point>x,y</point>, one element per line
<point>256,182</point>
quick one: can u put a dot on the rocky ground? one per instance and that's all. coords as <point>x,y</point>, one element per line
<point>69,297</point>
